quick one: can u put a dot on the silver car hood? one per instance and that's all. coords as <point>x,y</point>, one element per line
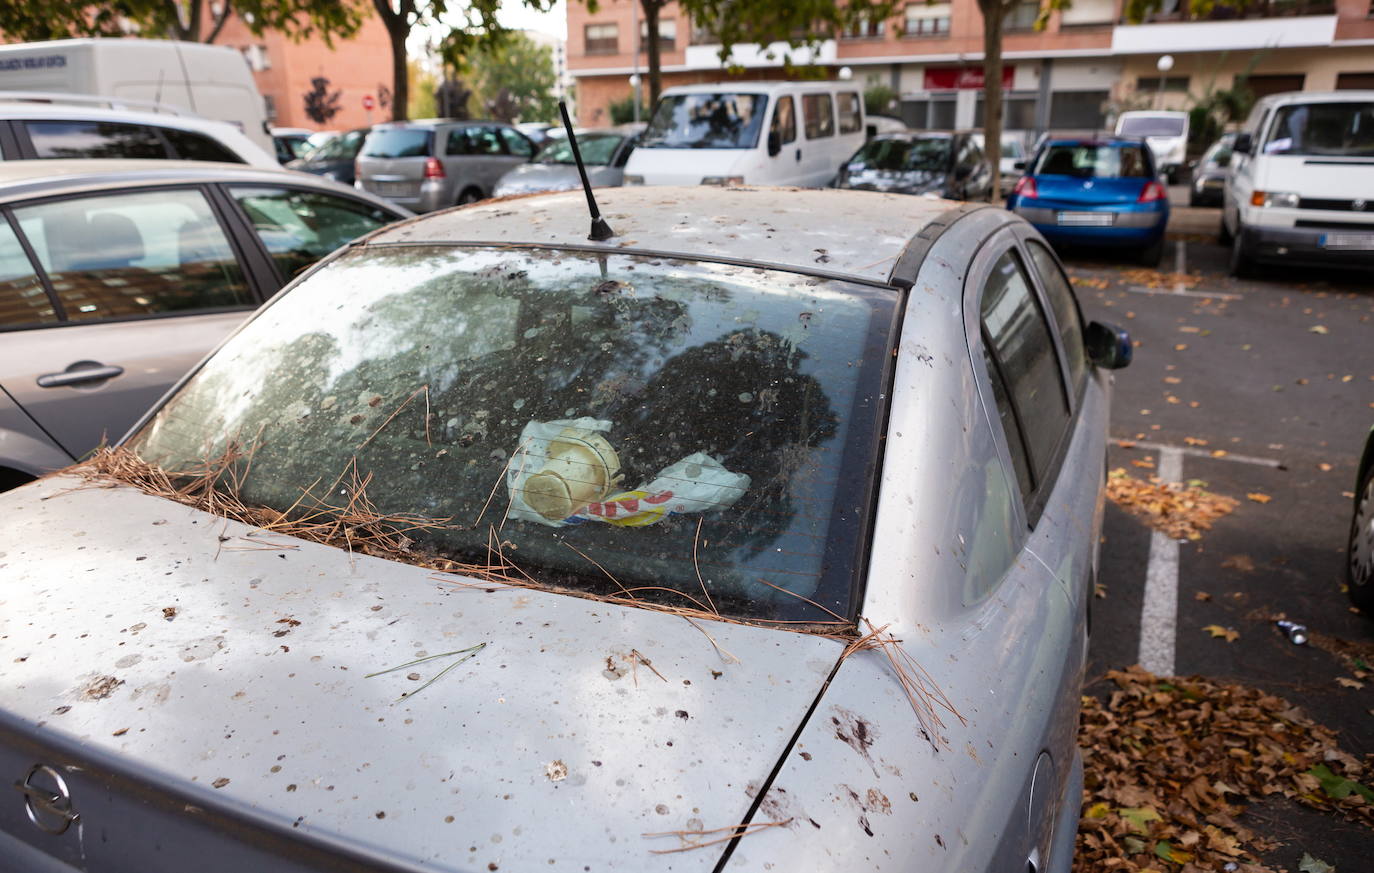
<point>232,675</point>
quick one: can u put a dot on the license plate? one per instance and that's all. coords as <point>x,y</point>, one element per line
<point>1086,219</point>
<point>395,189</point>
<point>1358,241</point>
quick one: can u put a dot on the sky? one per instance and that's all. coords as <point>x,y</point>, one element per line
<point>516,14</point>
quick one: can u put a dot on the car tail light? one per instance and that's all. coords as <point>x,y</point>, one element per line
<point>433,169</point>
<point>1151,192</point>
<point>1025,186</point>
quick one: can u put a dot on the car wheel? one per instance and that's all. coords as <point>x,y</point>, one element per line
<point>1359,565</point>
<point>1151,255</point>
<point>469,195</point>
<point>1242,266</point>
<point>1223,232</point>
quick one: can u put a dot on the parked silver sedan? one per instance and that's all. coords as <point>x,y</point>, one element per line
<point>116,277</point>
<point>706,455</point>
<point>605,152</point>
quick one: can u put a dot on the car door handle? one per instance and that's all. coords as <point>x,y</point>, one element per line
<point>799,154</point>
<point>98,373</point>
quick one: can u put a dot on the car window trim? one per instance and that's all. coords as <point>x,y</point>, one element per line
<point>258,266</point>
<point>1074,393</point>
<point>268,263</point>
<point>10,149</point>
<point>29,252</point>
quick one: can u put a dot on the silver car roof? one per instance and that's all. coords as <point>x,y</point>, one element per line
<point>853,233</point>
<point>21,180</point>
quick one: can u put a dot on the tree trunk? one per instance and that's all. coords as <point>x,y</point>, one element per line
<point>651,11</point>
<point>992,89</point>
<point>397,29</point>
<point>226,9</point>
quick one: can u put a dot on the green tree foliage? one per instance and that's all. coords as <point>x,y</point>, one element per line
<point>879,99</point>
<point>191,20</point>
<point>422,83</point>
<point>623,111</point>
<point>518,68</point>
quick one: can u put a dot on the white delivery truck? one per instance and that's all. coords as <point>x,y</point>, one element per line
<point>207,80</point>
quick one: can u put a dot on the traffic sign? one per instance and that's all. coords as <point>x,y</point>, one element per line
<point>368,103</point>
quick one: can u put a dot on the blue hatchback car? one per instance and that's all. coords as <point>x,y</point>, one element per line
<point>1095,192</point>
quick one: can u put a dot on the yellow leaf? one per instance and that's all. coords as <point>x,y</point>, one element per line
<point>1258,497</point>
<point>1097,810</point>
<point>1219,453</point>
<point>1325,468</point>
<point>1139,818</point>
<point>1194,441</point>
<point>1350,683</point>
<point>1226,633</point>
<point>1318,328</point>
<point>1181,347</point>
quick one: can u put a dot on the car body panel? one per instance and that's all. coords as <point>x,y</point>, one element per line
<point>556,718</point>
<point>402,179</point>
<point>23,444</point>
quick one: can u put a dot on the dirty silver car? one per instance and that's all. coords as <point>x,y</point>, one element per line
<point>741,541</point>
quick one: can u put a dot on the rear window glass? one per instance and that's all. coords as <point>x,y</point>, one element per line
<point>675,428</point>
<point>1148,126</point>
<point>918,153</point>
<point>94,139</point>
<point>403,143</point>
<point>195,147</point>
<point>597,150</point>
<point>1089,161</point>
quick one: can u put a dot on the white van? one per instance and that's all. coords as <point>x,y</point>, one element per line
<point>1301,186</point>
<point>208,80</point>
<point>749,133</point>
<point>1165,132</point>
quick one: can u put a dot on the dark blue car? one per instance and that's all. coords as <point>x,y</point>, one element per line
<point>1095,192</point>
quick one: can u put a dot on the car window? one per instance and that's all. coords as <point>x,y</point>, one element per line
<point>1021,343</point>
<point>626,150</point>
<point>596,150</point>
<point>94,139</point>
<point>851,117</point>
<point>300,227</point>
<point>1016,445</point>
<point>343,147</point>
<point>819,115</point>
<point>121,255</point>
<point>904,153</point>
<point>476,141</point>
<point>682,428</point>
<point>516,143</point>
<point>1065,308</point>
<point>401,142</point>
<point>1090,161</point>
<point>22,298</point>
<point>784,121</point>
<point>197,147</point>
<point>706,121</point>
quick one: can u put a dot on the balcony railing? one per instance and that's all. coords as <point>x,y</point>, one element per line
<point>1181,10</point>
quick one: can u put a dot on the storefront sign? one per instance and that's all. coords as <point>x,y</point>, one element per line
<point>960,78</point>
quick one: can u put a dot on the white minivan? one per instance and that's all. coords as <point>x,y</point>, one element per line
<point>749,133</point>
<point>1301,187</point>
<point>1166,133</point>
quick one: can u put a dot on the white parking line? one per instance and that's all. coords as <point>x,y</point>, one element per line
<point>1273,463</point>
<point>1175,292</point>
<point>1159,613</point>
<point>1180,265</point>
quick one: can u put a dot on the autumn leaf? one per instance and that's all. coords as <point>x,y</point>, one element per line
<point>1226,633</point>
<point>1258,497</point>
<point>1325,468</point>
<point>1097,810</point>
<point>1318,328</point>
<point>1202,596</point>
<point>1165,850</point>
<point>1244,563</point>
<point>1312,865</point>
<point>1139,818</point>
<point>1194,441</point>
<point>1339,787</point>
<point>1219,453</point>
<point>1350,683</point>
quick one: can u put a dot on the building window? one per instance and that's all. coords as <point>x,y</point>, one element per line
<point>602,39</point>
<point>1022,16</point>
<point>1018,111</point>
<point>865,29</point>
<point>1263,86</point>
<point>667,35</point>
<point>926,19</point>
<point>1169,84</point>
<point>1355,81</point>
<point>1078,110</point>
<point>1088,13</point>
<point>703,33</point>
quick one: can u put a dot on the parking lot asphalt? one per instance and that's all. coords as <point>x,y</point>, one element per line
<point>1264,392</point>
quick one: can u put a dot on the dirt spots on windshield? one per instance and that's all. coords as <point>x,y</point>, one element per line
<point>855,732</point>
<point>100,687</point>
<point>871,802</point>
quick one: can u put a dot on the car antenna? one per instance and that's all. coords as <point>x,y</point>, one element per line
<point>600,229</point>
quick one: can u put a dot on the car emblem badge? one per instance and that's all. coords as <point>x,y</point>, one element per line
<point>47,800</point>
<point>1358,205</point>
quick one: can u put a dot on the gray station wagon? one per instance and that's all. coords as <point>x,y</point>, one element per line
<point>650,497</point>
<point>428,165</point>
<point>117,276</point>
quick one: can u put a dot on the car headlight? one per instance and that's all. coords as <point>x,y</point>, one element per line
<point>1281,199</point>
<point>722,180</point>
<point>632,180</point>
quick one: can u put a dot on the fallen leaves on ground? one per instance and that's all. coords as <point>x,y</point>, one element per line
<point>1226,633</point>
<point>1158,279</point>
<point>1258,497</point>
<point>1171,765</point>
<point>1243,563</point>
<point>1314,865</point>
<point>1178,510</point>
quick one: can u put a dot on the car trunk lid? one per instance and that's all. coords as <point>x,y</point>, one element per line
<point>1089,192</point>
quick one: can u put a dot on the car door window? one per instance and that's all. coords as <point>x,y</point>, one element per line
<point>819,115</point>
<point>516,143</point>
<point>23,301</point>
<point>483,141</point>
<point>94,139</point>
<point>851,117</point>
<point>1065,307</point>
<point>1020,337</point>
<point>197,147</point>
<point>300,227</point>
<point>785,121</point>
<point>122,255</point>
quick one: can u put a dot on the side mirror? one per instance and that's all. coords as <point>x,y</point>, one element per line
<point>774,143</point>
<point>1019,165</point>
<point>1108,346</point>
<point>1244,144</point>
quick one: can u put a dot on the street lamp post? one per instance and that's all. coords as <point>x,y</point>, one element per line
<point>1164,65</point>
<point>634,44</point>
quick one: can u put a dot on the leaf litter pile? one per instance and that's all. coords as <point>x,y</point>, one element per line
<point>1172,763</point>
<point>1179,510</point>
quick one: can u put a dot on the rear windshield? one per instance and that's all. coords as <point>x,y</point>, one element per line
<point>402,143</point>
<point>706,121</point>
<point>921,153</point>
<point>342,147</point>
<point>1089,161</point>
<point>597,149</point>
<point>1148,126</point>
<point>674,428</point>
<point>1337,129</point>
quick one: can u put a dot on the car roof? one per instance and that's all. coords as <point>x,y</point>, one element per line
<point>1154,113</point>
<point>37,178</point>
<point>25,109</point>
<point>1104,140</point>
<point>860,234</point>
<point>763,86</point>
<point>1286,97</point>
<point>431,123</point>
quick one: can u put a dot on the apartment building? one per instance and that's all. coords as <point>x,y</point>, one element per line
<point>1086,64</point>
